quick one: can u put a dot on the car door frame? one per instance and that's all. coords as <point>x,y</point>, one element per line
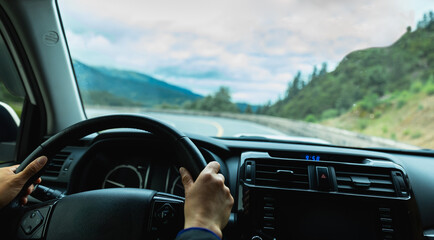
<point>50,105</point>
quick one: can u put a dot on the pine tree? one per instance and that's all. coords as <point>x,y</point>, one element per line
<point>323,70</point>
<point>293,87</point>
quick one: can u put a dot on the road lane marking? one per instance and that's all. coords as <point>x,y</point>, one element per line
<point>172,120</point>
<point>219,127</point>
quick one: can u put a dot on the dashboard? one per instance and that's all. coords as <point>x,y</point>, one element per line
<point>281,190</point>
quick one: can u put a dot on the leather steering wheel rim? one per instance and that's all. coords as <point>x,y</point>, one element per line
<point>189,155</point>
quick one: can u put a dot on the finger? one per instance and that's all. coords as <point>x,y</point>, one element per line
<point>32,168</point>
<point>30,189</point>
<point>38,181</point>
<point>24,200</point>
<point>212,167</point>
<point>221,176</point>
<point>187,179</point>
<point>228,192</point>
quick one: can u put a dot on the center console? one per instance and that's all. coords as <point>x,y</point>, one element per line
<point>324,196</point>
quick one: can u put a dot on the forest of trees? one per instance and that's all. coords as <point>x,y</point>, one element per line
<point>427,19</point>
<point>220,101</point>
<point>362,78</point>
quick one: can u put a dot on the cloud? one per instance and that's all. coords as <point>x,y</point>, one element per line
<point>254,47</point>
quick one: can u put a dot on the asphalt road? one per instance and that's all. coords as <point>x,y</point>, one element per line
<point>204,125</point>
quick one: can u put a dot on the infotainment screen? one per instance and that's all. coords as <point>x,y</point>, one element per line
<point>325,220</point>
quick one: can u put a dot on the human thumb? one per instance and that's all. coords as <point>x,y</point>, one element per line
<point>31,169</point>
<point>187,180</point>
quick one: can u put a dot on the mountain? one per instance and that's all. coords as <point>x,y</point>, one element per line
<point>107,86</point>
<point>386,92</point>
<point>363,78</point>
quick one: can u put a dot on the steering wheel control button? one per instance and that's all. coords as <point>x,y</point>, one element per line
<point>167,216</point>
<point>165,213</point>
<point>323,178</point>
<point>31,222</point>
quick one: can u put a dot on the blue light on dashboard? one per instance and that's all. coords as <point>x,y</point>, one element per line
<point>312,158</point>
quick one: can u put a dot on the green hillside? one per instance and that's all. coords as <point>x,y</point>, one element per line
<point>363,77</point>
<point>406,116</point>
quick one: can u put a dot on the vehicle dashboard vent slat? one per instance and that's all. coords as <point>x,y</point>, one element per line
<point>376,178</point>
<point>366,181</point>
<point>53,169</point>
<point>281,174</point>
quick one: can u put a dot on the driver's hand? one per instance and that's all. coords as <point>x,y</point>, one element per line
<point>208,201</point>
<point>11,183</point>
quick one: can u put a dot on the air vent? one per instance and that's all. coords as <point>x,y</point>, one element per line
<point>281,174</point>
<point>365,180</point>
<point>53,169</point>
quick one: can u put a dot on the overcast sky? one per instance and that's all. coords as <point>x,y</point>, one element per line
<point>254,47</point>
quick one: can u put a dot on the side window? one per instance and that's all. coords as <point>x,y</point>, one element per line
<point>11,103</point>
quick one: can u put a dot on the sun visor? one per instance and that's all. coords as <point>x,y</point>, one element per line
<point>8,71</point>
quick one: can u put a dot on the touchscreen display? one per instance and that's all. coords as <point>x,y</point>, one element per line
<point>326,220</point>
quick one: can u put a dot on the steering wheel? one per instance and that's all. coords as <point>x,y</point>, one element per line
<point>107,213</point>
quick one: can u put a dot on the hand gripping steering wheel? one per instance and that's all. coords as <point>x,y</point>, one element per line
<point>107,213</point>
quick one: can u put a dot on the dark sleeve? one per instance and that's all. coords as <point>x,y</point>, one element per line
<point>196,234</point>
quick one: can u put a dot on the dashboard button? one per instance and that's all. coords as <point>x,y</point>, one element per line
<point>323,178</point>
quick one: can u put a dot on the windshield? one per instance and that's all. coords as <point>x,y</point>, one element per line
<point>353,73</point>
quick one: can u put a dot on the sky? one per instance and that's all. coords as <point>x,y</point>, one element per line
<point>254,47</point>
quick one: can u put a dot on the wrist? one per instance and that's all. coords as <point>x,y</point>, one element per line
<point>203,224</point>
